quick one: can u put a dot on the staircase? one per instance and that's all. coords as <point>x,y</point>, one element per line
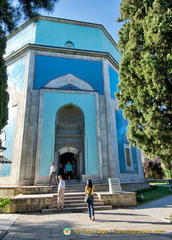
<point>74,199</point>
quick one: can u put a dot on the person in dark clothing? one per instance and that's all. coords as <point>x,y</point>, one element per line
<point>74,169</point>
<point>61,170</point>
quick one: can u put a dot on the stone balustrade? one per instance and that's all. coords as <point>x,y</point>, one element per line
<point>8,192</point>
<point>118,199</point>
<point>30,203</point>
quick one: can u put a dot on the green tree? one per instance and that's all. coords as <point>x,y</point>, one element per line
<point>9,17</point>
<point>3,83</point>
<point>145,88</point>
<point>153,169</point>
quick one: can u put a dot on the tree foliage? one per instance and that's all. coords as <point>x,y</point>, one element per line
<point>145,88</point>
<point>3,83</point>
<point>153,169</point>
<point>9,16</point>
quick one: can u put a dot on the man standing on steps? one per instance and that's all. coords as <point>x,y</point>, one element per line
<point>52,174</point>
<point>61,189</point>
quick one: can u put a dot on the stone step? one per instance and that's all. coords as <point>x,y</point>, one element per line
<point>78,185</point>
<point>74,194</point>
<point>75,183</point>
<point>73,205</point>
<point>75,187</point>
<point>72,186</point>
<point>74,198</point>
<point>78,200</point>
<point>54,201</point>
<point>75,209</point>
<point>70,190</point>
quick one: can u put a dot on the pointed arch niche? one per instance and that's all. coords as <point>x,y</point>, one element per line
<point>69,136</point>
<point>69,79</point>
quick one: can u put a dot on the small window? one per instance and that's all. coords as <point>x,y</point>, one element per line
<point>69,44</point>
<point>127,152</point>
<point>128,158</point>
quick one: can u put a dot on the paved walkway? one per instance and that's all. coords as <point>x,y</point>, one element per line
<point>145,222</point>
<point>161,208</point>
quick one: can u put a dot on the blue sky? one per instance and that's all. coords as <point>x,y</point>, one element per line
<point>104,12</point>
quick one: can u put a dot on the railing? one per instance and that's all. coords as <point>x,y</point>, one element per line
<point>168,181</point>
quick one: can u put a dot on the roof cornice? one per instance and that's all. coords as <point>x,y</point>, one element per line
<point>50,49</point>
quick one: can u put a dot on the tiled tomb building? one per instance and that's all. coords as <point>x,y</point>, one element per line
<point>62,79</point>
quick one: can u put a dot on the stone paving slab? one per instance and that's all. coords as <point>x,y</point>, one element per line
<point>125,223</point>
<point>160,208</point>
<point>109,224</point>
<point>2,233</point>
<point>7,220</point>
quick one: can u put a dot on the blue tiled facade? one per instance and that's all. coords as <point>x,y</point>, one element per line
<point>45,76</point>
<point>52,103</point>
<point>121,128</point>
<point>113,82</point>
<point>49,68</point>
<point>16,74</point>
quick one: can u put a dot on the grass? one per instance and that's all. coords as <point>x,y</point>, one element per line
<point>153,194</point>
<point>4,205</point>
<point>158,183</point>
<point>169,218</point>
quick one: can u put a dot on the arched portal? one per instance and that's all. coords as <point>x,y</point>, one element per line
<point>69,137</point>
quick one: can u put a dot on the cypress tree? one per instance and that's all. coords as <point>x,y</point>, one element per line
<point>145,88</point>
<point>3,83</point>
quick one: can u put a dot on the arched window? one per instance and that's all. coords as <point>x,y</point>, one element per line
<point>69,44</point>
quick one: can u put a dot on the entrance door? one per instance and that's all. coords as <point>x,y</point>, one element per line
<point>72,159</point>
<point>69,134</point>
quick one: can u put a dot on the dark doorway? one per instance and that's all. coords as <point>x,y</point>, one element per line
<point>72,158</point>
